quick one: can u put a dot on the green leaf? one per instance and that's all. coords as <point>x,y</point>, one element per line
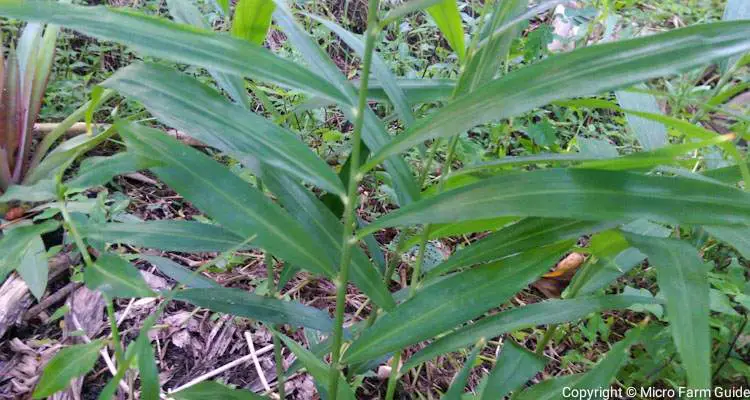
<point>387,80</point>
<point>252,19</point>
<point>167,235</point>
<point>448,19</point>
<point>374,134</point>
<point>443,230</point>
<point>605,371</point>
<point>198,110</point>
<point>451,301</point>
<point>582,72</point>
<point>542,133</point>
<point>548,389</point>
<point>524,235</point>
<point>734,10</point>
<point>580,194</point>
<point>683,279</point>
<point>319,370</point>
<point>71,362</point>
<point>405,9</point>
<point>186,12</point>
<point>248,305</point>
<point>15,244</point>
<point>176,42</point>
<point>544,313</point>
<point>735,236</point>
<point>214,390</point>
<point>651,134</point>
<point>459,382</point>
<point>44,190</point>
<point>226,198</point>
<point>98,171</point>
<point>116,278</point>
<point>180,274</point>
<point>484,63</point>
<point>513,368</point>
<point>147,369</point>
<point>327,230</point>
<point>33,267</point>
<point>62,155</point>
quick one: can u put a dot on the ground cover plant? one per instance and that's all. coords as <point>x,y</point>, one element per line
<point>423,164</point>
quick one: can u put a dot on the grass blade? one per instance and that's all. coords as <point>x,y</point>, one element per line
<point>252,19</point>
<point>459,382</point>
<point>448,19</point>
<point>513,368</point>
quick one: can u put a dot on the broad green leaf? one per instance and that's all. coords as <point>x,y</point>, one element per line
<point>544,313</point>
<point>43,190</point>
<point>198,110</point>
<point>417,91</point>
<point>226,198</point>
<point>597,147</point>
<point>582,72</point>
<point>513,368</point>
<point>451,301</point>
<point>116,277</point>
<point>524,235</point>
<point>327,230</point>
<point>448,19</point>
<point>387,81</point>
<point>213,390</point>
<point>186,12</point>
<point>252,19</point>
<point>248,305</point>
<point>319,370</point>
<point>737,237</point>
<point>605,371</point>
<point>147,369</point>
<point>580,194</point>
<point>729,175</point>
<point>374,134</point>
<point>683,279</point>
<point>176,42</point>
<point>651,134</point>
<point>185,236</point>
<point>71,362</point>
<point>459,382</point>
<point>180,274</point>
<point>15,243</point>
<point>98,171</point>
<point>33,267</point>
<point>484,63</point>
<point>486,169</point>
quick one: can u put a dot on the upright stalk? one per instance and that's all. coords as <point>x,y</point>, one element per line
<point>351,201</point>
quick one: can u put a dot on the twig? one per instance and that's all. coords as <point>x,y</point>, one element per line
<point>223,368</point>
<point>256,362</point>
<point>52,299</point>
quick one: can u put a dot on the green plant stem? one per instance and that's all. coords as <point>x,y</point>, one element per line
<point>351,201</point>
<point>119,355</point>
<point>393,377</point>
<point>545,339</point>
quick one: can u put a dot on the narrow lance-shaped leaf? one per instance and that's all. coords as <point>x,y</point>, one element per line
<point>605,371</point>
<point>459,382</point>
<point>198,110</point>
<point>374,134</point>
<point>116,277</point>
<point>513,368</point>
<point>444,304</point>
<point>215,390</point>
<point>580,194</point>
<point>15,243</point>
<point>252,18</point>
<point>651,134</point>
<point>187,236</point>
<point>71,362</point>
<point>266,309</point>
<point>582,72</point>
<point>33,267</point>
<point>226,198</point>
<point>180,43</point>
<point>737,237</point>
<point>448,19</point>
<point>544,313</point>
<point>180,274</point>
<point>683,279</point>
